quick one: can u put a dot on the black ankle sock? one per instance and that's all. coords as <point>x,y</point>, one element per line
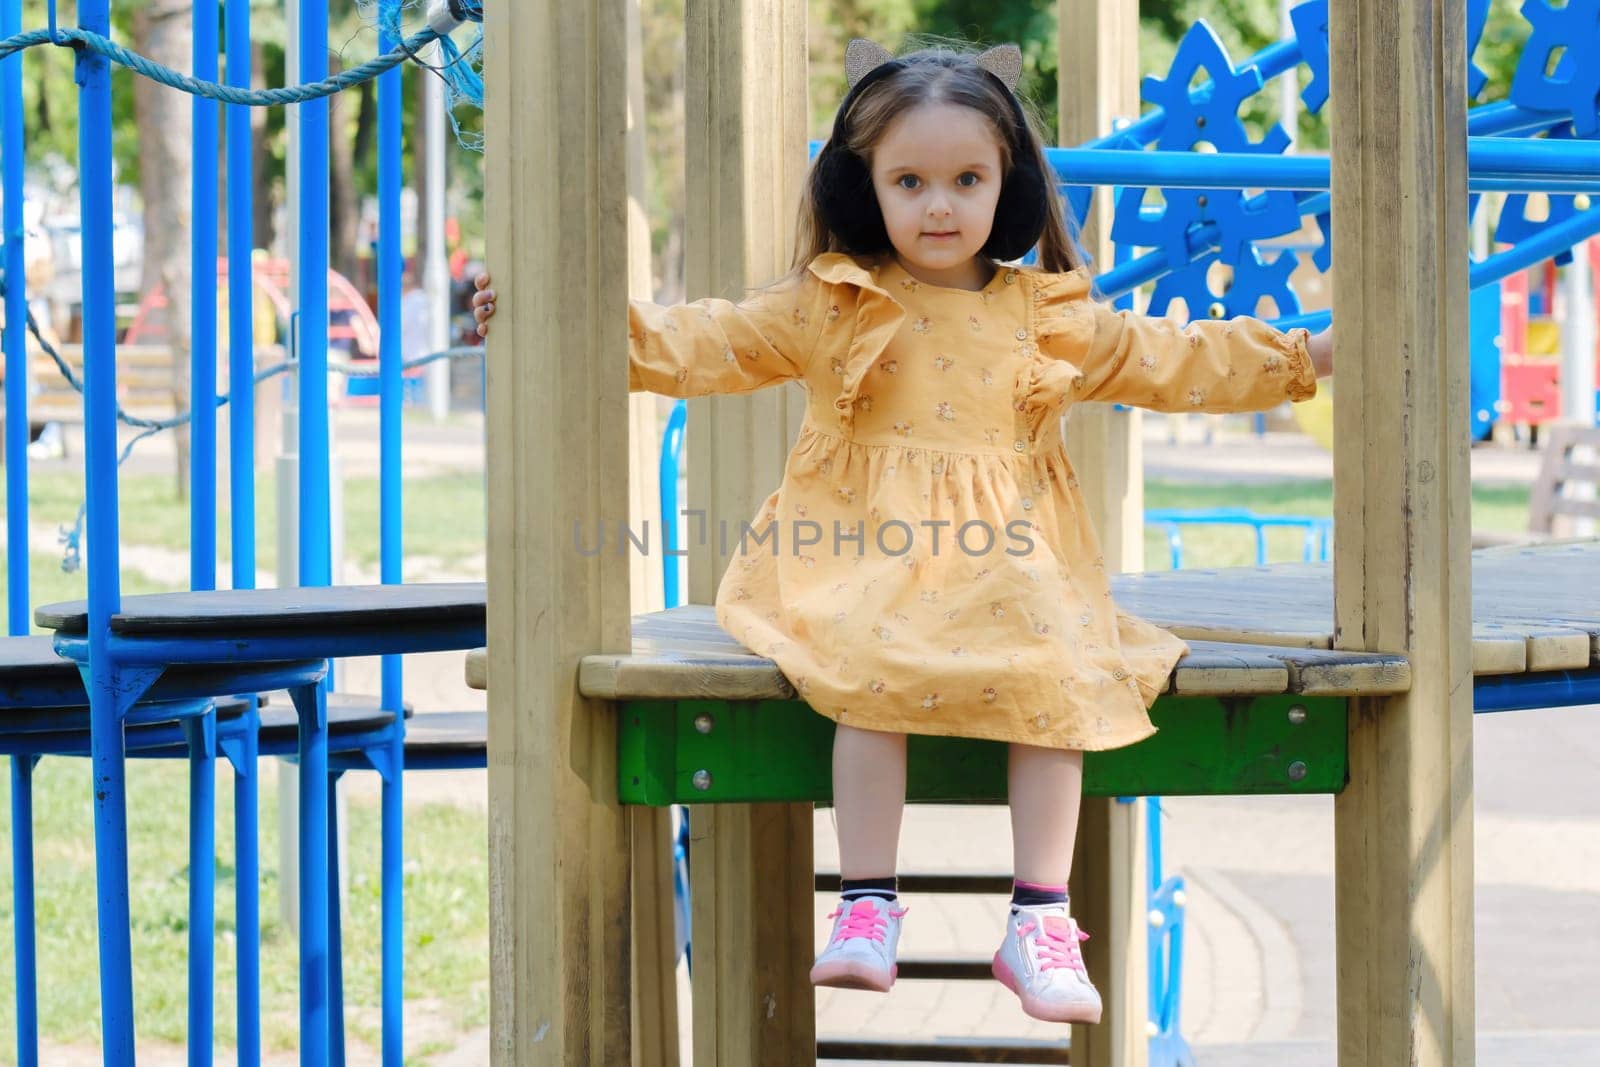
<point>1026,894</point>
<point>856,888</point>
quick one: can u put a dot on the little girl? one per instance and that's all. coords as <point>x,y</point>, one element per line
<point>932,568</point>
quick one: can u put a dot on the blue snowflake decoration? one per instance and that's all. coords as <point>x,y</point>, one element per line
<point>1323,256</point>
<point>1208,115</point>
<point>1515,226</point>
<point>1574,88</point>
<point>1310,22</point>
<point>1255,279</point>
<point>1477,15</point>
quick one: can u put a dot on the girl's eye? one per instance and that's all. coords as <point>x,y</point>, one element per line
<point>907,181</point>
<point>964,182</point>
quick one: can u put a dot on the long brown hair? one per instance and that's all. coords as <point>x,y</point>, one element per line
<point>937,75</point>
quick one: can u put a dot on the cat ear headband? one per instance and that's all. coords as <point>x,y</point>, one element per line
<point>862,56</point>
<point>841,181</point>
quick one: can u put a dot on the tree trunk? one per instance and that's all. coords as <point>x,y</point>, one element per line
<point>262,164</point>
<point>162,30</point>
<point>344,203</point>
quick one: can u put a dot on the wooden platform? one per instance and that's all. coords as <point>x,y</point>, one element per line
<point>1534,608</point>
<point>1256,707</point>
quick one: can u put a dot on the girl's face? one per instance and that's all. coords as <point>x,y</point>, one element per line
<point>937,175</point>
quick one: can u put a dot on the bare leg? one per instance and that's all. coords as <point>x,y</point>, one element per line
<point>1046,787</point>
<point>869,796</point>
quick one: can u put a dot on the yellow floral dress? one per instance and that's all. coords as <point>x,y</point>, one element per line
<point>927,565</point>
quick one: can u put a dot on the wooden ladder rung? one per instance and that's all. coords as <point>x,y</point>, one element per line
<point>828,882</point>
<point>953,1050</point>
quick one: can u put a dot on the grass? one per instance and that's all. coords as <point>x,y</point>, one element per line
<point>446,920</point>
<point>443,518</point>
<point>446,847</point>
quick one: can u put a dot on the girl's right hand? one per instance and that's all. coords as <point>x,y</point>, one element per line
<point>483,303</point>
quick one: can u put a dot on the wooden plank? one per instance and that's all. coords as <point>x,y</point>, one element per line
<point>1402,570</point>
<point>624,677</point>
<point>746,118</point>
<point>559,885</point>
<point>655,960</point>
<point>1323,671</point>
<point>478,668</point>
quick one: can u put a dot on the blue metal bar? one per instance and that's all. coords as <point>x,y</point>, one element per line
<point>24,944</point>
<point>1547,689</point>
<point>241,324</point>
<point>247,889</point>
<point>671,448</point>
<point>390,356</point>
<point>203,311</point>
<point>16,332</point>
<point>100,460</point>
<point>1505,118</point>
<point>200,732</point>
<point>335,931</point>
<point>1535,249</point>
<point>1494,164</point>
<point>310,702</point>
<point>392,901</point>
<point>316,561</point>
<point>391,549</point>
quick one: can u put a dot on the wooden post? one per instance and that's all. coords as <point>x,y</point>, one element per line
<point>655,943</point>
<point>557,469</point>
<point>1403,825</point>
<point>1099,82</point>
<point>745,141</point>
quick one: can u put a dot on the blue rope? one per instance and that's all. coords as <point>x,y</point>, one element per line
<point>228,94</point>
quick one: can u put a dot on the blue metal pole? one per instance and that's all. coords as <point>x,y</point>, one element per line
<point>201,735</point>
<point>316,562</point>
<point>1523,692</point>
<point>247,890</point>
<point>335,931</point>
<point>311,704</point>
<point>100,460</point>
<point>203,312</point>
<point>241,310</point>
<point>671,551</point>
<point>16,329</point>
<point>391,549</point>
<point>24,947</point>
<point>390,354</point>
<point>1494,164</point>
<point>393,899</point>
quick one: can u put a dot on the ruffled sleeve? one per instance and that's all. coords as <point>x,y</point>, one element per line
<point>1239,364</point>
<point>717,346</point>
<point>872,319</point>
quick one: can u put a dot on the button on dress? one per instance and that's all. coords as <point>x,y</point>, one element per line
<point>927,564</point>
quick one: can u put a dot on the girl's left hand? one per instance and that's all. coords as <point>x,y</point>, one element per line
<point>1321,348</point>
<point>483,303</point>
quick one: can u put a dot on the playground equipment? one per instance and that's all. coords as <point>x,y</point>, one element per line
<point>666,709</point>
<point>150,660</point>
<point>693,719</point>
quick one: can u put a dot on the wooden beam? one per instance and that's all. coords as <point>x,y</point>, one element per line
<point>1099,82</point>
<point>1403,826</point>
<point>745,141</point>
<point>560,914</point>
<point>655,942</point>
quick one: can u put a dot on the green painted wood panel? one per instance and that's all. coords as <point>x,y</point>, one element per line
<point>700,752</point>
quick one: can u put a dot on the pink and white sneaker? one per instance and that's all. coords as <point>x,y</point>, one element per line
<point>1039,961</point>
<point>860,954</point>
